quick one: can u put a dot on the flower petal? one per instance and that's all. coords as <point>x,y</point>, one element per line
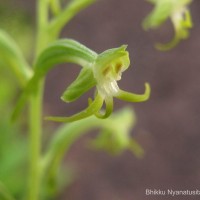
<point>109,109</point>
<point>82,84</point>
<point>92,109</point>
<point>131,97</point>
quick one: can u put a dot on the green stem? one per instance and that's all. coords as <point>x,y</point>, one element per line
<point>42,25</point>
<point>35,144</point>
<point>35,123</point>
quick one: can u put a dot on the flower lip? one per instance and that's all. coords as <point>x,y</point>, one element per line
<point>108,88</point>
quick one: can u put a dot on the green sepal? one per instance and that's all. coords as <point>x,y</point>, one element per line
<point>93,108</point>
<point>82,84</point>
<point>110,57</point>
<point>12,57</point>
<point>131,97</point>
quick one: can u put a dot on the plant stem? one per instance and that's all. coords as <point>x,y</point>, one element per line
<point>35,144</point>
<point>35,118</point>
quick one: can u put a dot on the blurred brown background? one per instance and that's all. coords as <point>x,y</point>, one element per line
<point>168,125</point>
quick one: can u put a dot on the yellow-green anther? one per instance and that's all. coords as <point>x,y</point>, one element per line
<point>177,11</point>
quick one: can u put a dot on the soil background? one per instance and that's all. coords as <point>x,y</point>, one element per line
<point>168,125</point>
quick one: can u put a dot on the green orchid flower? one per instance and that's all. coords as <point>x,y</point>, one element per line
<point>178,12</point>
<point>101,71</point>
<point>104,74</point>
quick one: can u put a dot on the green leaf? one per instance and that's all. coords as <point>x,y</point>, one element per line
<point>12,57</point>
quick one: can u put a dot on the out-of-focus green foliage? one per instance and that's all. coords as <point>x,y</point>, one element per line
<point>12,57</point>
<point>13,145</point>
<point>114,137</point>
<point>13,150</point>
<point>175,10</point>
<point>18,23</point>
